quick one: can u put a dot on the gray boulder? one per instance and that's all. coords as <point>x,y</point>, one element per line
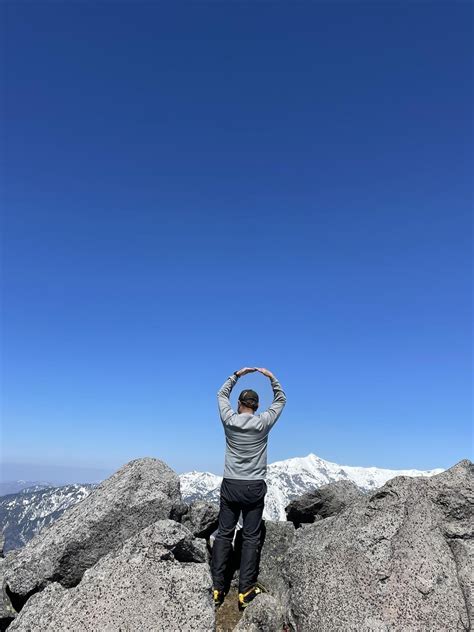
<point>138,494</point>
<point>7,612</point>
<point>263,614</point>
<point>453,494</point>
<point>156,581</point>
<point>322,502</point>
<point>201,518</point>
<point>279,536</point>
<point>396,560</point>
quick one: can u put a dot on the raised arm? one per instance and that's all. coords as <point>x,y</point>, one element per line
<point>223,400</point>
<point>225,409</point>
<point>270,416</point>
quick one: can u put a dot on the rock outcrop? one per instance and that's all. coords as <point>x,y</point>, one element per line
<point>399,559</point>
<point>138,494</point>
<point>201,518</point>
<point>157,581</point>
<point>264,613</point>
<point>322,502</point>
<point>7,612</point>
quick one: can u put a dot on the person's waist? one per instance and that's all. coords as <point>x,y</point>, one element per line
<point>242,480</point>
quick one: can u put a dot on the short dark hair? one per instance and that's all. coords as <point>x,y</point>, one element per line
<point>249,398</point>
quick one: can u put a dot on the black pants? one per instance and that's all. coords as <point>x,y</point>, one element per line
<point>236,496</point>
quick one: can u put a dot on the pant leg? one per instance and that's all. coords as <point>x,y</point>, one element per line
<point>251,534</point>
<point>229,513</point>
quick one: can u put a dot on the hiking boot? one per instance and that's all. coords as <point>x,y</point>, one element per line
<point>218,596</point>
<point>246,597</point>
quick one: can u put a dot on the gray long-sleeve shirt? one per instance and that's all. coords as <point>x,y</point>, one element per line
<point>246,434</point>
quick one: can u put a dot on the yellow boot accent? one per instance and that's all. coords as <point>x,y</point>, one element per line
<point>242,602</point>
<point>218,596</point>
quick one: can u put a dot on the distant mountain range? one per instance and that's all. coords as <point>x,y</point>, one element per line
<point>291,478</point>
<point>25,513</point>
<point>13,487</point>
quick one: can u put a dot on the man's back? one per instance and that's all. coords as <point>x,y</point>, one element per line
<point>247,433</point>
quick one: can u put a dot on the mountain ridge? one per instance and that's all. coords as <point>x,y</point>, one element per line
<point>289,478</point>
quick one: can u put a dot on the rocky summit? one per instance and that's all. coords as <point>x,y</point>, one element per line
<point>132,556</point>
<point>399,559</point>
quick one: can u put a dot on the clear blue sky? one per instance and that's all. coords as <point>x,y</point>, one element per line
<point>193,188</point>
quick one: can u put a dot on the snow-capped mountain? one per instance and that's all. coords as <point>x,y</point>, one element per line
<point>24,514</point>
<point>200,486</point>
<point>291,478</point>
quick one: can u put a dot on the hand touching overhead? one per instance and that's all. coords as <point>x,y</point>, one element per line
<point>248,369</point>
<point>245,370</point>
<point>265,372</point>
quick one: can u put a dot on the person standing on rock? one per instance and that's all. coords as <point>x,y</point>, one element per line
<point>243,486</point>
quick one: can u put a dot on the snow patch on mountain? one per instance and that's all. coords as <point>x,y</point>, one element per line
<point>291,478</point>
<point>24,514</point>
<point>200,486</point>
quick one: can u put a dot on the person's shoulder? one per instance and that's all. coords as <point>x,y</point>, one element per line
<point>258,421</point>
